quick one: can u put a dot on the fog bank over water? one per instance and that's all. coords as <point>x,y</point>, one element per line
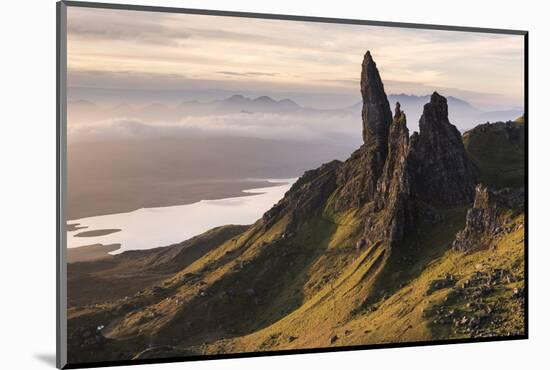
<point>261,116</point>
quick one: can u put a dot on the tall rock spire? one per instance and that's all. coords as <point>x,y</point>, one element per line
<point>376,113</point>
<point>445,173</point>
<point>359,175</point>
<point>394,189</point>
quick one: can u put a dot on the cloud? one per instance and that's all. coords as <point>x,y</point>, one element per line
<point>282,55</point>
<point>128,79</point>
<point>304,127</point>
<point>266,125</point>
<point>150,33</point>
<point>247,74</point>
<point>157,28</point>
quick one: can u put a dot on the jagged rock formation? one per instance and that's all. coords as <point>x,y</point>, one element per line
<point>306,197</point>
<point>359,174</point>
<point>376,111</point>
<point>444,173</point>
<point>431,166</point>
<point>394,189</point>
<point>356,181</point>
<point>387,176</point>
<point>487,218</point>
<point>396,163</point>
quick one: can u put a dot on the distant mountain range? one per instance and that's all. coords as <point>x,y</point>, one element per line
<point>239,104</point>
<point>461,113</point>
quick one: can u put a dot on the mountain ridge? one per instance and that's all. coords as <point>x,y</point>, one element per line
<point>465,115</point>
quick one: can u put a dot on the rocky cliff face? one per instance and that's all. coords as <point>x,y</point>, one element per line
<point>394,198</point>
<point>395,175</point>
<point>306,198</point>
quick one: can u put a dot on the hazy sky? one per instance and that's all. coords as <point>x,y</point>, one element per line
<point>159,51</point>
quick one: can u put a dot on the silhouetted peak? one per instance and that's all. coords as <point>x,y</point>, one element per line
<point>445,171</point>
<point>437,107</point>
<point>235,98</point>
<point>264,98</point>
<point>376,112</point>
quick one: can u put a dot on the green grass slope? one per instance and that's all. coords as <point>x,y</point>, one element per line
<point>127,273</point>
<point>497,149</point>
<point>443,294</point>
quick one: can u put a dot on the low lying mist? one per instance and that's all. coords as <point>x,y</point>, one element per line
<point>127,156</point>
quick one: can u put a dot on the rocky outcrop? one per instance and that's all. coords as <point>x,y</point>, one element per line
<point>444,172</point>
<point>376,116</point>
<point>391,174</point>
<point>359,175</point>
<point>487,218</point>
<point>395,175</point>
<point>376,111</point>
<point>356,181</point>
<point>87,337</point>
<point>394,189</point>
<point>306,197</point>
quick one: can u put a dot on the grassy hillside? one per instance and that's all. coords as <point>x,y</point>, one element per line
<point>260,292</point>
<point>242,285</point>
<point>127,273</point>
<point>408,306</point>
<point>497,149</point>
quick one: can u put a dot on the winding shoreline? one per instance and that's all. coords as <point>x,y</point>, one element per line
<point>149,228</point>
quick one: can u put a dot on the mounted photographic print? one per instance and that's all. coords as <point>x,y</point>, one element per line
<point>237,184</point>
